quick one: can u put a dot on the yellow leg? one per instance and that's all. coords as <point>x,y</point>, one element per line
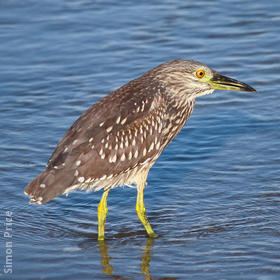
<point>102,213</point>
<point>141,212</point>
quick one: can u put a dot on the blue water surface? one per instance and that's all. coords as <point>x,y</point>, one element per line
<point>214,194</point>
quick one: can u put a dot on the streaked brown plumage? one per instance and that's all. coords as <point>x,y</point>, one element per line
<point>120,134</point>
<point>117,140</point>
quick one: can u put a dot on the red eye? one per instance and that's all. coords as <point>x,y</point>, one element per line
<point>200,74</point>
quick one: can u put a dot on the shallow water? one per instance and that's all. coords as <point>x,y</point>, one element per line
<point>213,196</point>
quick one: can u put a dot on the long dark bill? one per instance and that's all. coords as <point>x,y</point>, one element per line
<point>226,83</point>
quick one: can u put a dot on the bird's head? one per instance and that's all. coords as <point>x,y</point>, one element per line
<point>192,78</point>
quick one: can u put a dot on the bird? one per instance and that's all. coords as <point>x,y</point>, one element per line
<point>118,139</point>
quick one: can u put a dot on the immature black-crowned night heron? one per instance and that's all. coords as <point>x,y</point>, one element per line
<point>117,140</point>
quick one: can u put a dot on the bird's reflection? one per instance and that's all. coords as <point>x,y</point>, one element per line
<point>145,259</point>
<point>145,265</point>
<point>105,259</point>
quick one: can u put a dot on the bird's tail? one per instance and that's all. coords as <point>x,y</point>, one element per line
<point>49,184</point>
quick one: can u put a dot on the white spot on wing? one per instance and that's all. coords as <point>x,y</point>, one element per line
<point>145,134</point>
<point>123,157</point>
<point>136,154</point>
<point>144,151</point>
<point>126,142</point>
<point>160,128</point>
<point>101,152</point>
<point>151,147</point>
<point>109,129</point>
<point>146,161</point>
<point>123,121</point>
<point>81,179</point>
<point>158,145</point>
<point>78,162</point>
<point>113,158</point>
<point>42,186</point>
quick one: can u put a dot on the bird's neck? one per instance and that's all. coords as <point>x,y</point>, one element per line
<point>178,110</point>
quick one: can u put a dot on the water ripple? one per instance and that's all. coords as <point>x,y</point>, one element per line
<point>213,196</point>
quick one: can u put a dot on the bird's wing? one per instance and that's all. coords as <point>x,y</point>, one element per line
<point>121,131</point>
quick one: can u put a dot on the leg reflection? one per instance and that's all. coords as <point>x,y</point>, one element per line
<point>107,268</point>
<point>145,260</point>
<point>145,265</point>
